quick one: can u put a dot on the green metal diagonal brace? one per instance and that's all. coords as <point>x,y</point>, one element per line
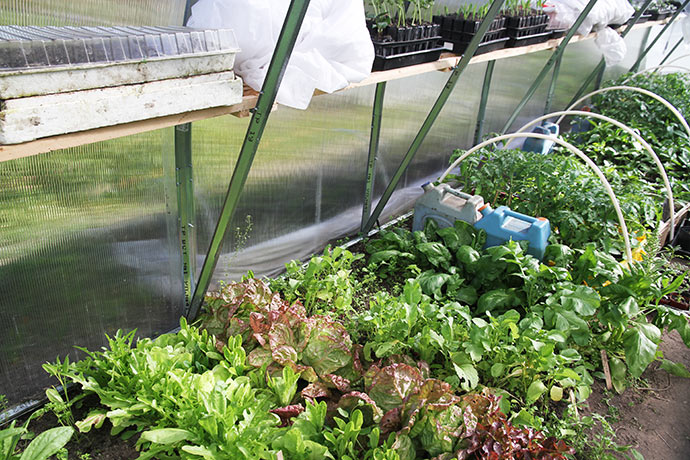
<point>281,56</point>
<point>373,150</point>
<point>483,102</point>
<point>549,64</point>
<point>673,50</point>
<point>656,39</point>
<point>552,86</point>
<point>599,69</point>
<point>435,110</point>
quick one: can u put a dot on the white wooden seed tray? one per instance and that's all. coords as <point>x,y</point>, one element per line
<point>59,80</point>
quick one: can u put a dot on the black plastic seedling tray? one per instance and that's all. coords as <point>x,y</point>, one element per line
<point>484,47</point>
<point>514,42</point>
<point>558,33</point>
<point>407,59</point>
<point>519,22</point>
<point>525,31</point>
<point>659,14</point>
<point>405,46</point>
<point>458,32</point>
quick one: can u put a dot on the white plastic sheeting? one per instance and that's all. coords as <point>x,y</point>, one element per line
<point>333,48</point>
<point>564,13</point>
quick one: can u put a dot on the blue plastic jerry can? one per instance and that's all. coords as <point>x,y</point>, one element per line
<point>541,146</point>
<point>503,224</point>
<point>445,205</point>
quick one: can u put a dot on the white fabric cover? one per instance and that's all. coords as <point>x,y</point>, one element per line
<point>564,13</point>
<point>333,48</point>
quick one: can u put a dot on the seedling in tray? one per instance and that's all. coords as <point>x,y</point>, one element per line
<point>404,39</point>
<point>460,28</point>
<point>525,25</point>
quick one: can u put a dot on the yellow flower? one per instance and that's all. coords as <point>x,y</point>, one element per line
<point>637,254</point>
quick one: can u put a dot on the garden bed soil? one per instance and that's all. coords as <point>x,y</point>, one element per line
<point>98,443</point>
<point>653,418</point>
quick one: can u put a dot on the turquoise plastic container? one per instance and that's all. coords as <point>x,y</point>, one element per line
<point>503,224</point>
<point>541,146</point>
<point>445,205</point>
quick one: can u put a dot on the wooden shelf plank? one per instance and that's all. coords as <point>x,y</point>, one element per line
<point>445,63</point>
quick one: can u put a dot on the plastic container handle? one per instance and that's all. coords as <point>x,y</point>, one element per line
<point>517,215</point>
<point>458,193</point>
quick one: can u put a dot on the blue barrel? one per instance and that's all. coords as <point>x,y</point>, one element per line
<point>503,224</point>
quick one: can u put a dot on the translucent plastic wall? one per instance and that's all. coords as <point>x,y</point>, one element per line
<point>88,236</point>
<point>87,244</point>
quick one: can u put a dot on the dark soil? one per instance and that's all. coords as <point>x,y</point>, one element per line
<point>654,417</point>
<point>98,443</point>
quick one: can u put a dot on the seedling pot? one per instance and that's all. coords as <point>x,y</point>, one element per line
<point>404,46</point>
<point>460,31</point>
<point>527,30</point>
<point>658,14</point>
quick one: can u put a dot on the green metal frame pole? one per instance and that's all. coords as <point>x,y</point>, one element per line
<point>435,110</point>
<point>552,86</point>
<point>656,39</point>
<point>185,207</point>
<point>600,77</point>
<point>601,67</point>
<point>185,197</point>
<point>281,56</point>
<point>188,10</point>
<point>486,89</point>
<point>377,113</point>
<point>673,50</point>
<point>549,64</point>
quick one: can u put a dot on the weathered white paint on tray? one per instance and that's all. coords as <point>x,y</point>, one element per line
<point>29,118</point>
<point>46,80</point>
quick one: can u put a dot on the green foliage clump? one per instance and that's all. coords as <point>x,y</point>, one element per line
<point>565,191</point>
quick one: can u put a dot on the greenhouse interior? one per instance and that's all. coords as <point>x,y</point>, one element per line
<point>344,229</point>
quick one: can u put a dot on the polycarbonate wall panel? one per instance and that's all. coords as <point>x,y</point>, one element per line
<point>87,242</point>
<point>511,80</point>
<point>92,12</point>
<point>306,187</point>
<point>634,41</point>
<point>680,57</point>
<point>86,250</point>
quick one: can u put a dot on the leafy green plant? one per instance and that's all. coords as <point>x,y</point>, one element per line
<point>43,446</point>
<point>183,393</point>
<point>526,320</point>
<point>591,436</point>
<point>325,285</point>
<point>656,124</point>
<point>565,191</point>
<point>285,386</point>
<point>61,404</point>
<point>280,334</point>
<point>516,8</point>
